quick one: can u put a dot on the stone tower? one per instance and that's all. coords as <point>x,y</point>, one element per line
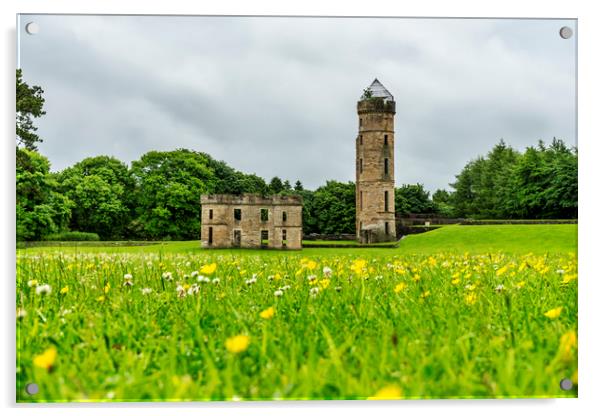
<point>375,173</point>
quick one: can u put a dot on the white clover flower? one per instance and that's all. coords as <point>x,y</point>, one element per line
<point>271,277</point>
<point>378,277</point>
<point>128,283</point>
<point>560,271</point>
<point>251,281</point>
<point>32,283</point>
<point>338,288</point>
<point>146,290</point>
<point>314,291</point>
<point>327,271</point>
<point>187,264</point>
<point>203,279</point>
<point>311,277</point>
<point>180,291</point>
<point>285,287</point>
<point>499,288</point>
<point>278,293</point>
<point>194,274</point>
<point>21,313</point>
<point>44,289</point>
<point>194,289</point>
<point>127,276</point>
<point>215,281</point>
<point>167,276</point>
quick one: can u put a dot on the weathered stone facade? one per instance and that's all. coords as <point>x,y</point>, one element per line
<point>251,221</point>
<point>375,167</point>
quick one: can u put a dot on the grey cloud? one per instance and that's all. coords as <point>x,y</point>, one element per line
<point>276,96</point>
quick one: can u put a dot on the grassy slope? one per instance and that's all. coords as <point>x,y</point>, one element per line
<point>537,239</point>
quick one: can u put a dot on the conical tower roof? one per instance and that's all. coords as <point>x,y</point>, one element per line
<point>378,90</point>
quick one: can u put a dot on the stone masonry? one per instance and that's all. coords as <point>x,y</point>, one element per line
<point>251,221</point>
<point>375,172</point>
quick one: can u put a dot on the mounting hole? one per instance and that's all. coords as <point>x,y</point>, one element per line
<point>32,388</point>
<point>32,28</point>
<point>566,32</point>
<point>566,384</point>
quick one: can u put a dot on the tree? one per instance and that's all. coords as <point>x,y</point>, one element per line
<point>40,208</point>
<point>333,208</point>
<point>276,185</point>
<point>29,104</point>
<point>298,186</point>
<point>413,199</point>
<point>102,189</point>
<point>168,188</point>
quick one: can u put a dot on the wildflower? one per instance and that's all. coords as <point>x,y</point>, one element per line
<point>167,276</point>
<point>127,276</point>
<point>203,279</point>
<point>400,286</point>
<point>194,274</point>
<point>32,283</point>
<point>107,287</point>
<point>311,265</point>
<point>499,288</point>
<point>100,299</point>
<point>21,313</point>
<point>416,277</point>
<point>553,313</point>
<point>387,393</point>
<point>327,271</point>
<point>128,280</point>
<point>181,292</point>
<point>470,298</point>
<point>270,277</point>
<point>46,359</point>
<point>501,270</point>
<point>215,281</point>
<point>569,277</point>
<point>377,278</point>
<point>251,281</point>
<point>520,284</point>
<point>358,266</point>
<point>64,290</point>
<point>285,287</point>
<point>560,271</point>
<point>432,261</point>
<point>278,293</point>
<point>314,291</point>
<point>568,341</point>
<point>209,268</point>
<point>338,288</point>
<point>425,294</point>
<point>146,290</point>
<point>268,313</point>
<point>238,343</point>
<point>44,289</point>
<point>193,289</point>
<point>455,281</point>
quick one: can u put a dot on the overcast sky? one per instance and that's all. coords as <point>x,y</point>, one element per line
<point>277,96</point>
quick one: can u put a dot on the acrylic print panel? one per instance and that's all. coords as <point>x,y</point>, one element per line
<point>254,208</point>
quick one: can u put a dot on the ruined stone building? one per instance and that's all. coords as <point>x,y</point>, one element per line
<point>375,172</point>
<point>251,221</point>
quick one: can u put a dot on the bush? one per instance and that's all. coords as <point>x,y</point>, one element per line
<point>72,236</point>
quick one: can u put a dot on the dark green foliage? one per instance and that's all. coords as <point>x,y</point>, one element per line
<point>332,208</point>
<point>413,199</point>
<point>276,185</point>
<point>102,189</point>
<point>540,183</point>
<point>29,104</point>
<point>72,236</point>
<point>40,208</point>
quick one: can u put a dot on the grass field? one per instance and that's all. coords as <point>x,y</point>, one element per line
<point>462,311</point>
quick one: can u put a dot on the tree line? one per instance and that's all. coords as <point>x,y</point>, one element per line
<point>157,197</point>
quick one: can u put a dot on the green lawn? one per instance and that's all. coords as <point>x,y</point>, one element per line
<point>462,311</point>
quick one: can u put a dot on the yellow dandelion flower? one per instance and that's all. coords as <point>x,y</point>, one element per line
<point>455,281</point>
<point>568,341</point>
<point>387,393</point>
<point>522,266</point>
<point>425,294</point>
<point>520,284</point>
<point>553,313</point>
<point>100,299</point>
<point>432,261</point>
<point>569,277</point>
<point>107,288</point>
<point>400,286</point>
<point>46,359</point>
<point>277,276</point>
<point>470,299</point>
<point>238,343</point>
<point>268,313</point>
<point>208,268</point>
<point>64,290</point>
<point>501,270</point>
<point>416,277</point>
<point>358,266</point>
<point>324,283</point>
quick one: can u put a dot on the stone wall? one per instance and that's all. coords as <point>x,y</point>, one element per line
<point>220,227</point>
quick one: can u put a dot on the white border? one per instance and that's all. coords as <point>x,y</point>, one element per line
<point>590,370</point>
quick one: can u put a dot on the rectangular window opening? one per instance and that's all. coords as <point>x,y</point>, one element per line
<point>236,238</point>
<point>265,238</point>
<point>361,199</point>
<point>361,140</point>
<point>283,216</point>
<point>237,214</point>
<point>264,214</point>
<point>210,239</point>
<point>283,238</point>
<point>386,201</point>
<point>386,228</point>
<point>210,214</point>
<point>361,165</point>
<point>386,139</point>
<point>386,166</point>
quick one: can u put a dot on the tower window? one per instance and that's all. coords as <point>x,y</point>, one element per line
<point>360,122</point>
<point>361,165</point>
<point>237,214</point>
<point>361,140</point>
<point>283,216</point>
<point>283,238</point>
<point>210,239</point>
<point>386,166</point>
<point>386,201</point>
<point>265,238</point>
<point>210,214</point>
<point>264,214</point>
<point>386,139</point>
<point>386,228</point>
<point>361,199</point>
